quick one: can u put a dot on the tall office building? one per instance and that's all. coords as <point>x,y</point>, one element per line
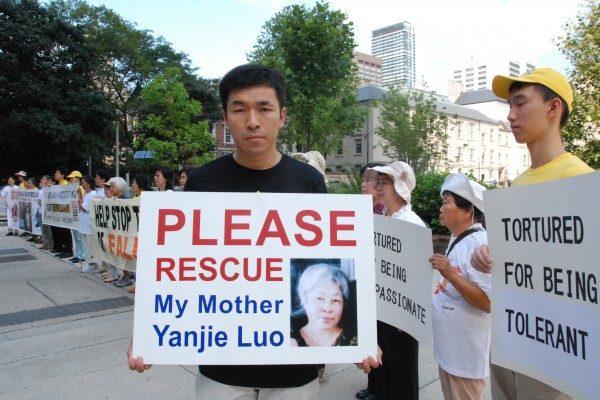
<point>478,74</point>
<point>395,46</point>
<point>368,69</point>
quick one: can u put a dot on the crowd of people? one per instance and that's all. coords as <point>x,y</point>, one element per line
<point>77,245</point>
<point>253,101</point>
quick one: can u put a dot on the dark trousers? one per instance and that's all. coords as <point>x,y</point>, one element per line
<point>62,239</point>
<point>398,377</point>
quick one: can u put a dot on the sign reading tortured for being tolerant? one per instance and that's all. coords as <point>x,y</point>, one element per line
<point>243,278</point>
<point>544,241</point>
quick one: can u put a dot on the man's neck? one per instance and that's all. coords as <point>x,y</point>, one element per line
<point>545,149</point>
<point>261,162</point>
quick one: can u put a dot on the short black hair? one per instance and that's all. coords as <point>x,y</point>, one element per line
<point>167,173</point>
<point>103,174</point>
<point>547,94</point>
<point>466,205</point>
<point>89,179</point>
<point>62,170</point>
<point>32,180</point>
<point>248,75</point>
<point>143,182</point>
<point>370,165</point>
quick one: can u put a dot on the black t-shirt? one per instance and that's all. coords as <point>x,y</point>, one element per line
<point>289,176</point>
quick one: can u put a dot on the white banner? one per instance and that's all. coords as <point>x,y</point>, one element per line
<point>12,207</point>
<point>60,206</point>
<point>544,241</point>
<point>404,276</point>
<point>115,225</point>
<point>254,278</point>
<point>30,216</point>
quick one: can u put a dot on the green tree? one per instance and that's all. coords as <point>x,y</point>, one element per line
<point>581,45</point>
<point>128,57</point>
<point>168,128</point>
<point>413,130</point>
<point>314,49</point>
<point>50,113</point>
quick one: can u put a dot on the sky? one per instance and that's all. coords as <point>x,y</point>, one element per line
<point>217,34</point>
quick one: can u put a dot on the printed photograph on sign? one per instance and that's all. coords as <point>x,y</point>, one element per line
<point>25,216</point>
<point>323,299</point>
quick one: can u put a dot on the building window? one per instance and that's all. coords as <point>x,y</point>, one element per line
<point>358,146</point>
<point>459,152</point>
<point>491,156</point>
<point>458,129</point>
<point>471,128</point>
<point>471,154</point>
<point>340,149</point>
<point>227,135</point>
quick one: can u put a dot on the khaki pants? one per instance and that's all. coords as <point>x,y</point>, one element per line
<point>457,388</point>
<point>208,389</point>
<point>511,385</point>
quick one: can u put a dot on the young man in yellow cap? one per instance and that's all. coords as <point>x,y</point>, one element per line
<point>540,103</point>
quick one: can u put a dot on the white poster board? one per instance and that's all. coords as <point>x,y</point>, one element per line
<point>235,278</point>
<point>30,217</point>
<point>115,225</point>
<point>404,276</point>
<point>61,208</point>
<point>544,240</point>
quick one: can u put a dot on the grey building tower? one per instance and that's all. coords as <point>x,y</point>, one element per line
<point>395,46</point>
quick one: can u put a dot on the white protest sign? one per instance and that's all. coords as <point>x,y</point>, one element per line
<point>60,206</point>
<point>404,276</point>
<point>544,241</point>
<point>254,278</point>
<point>30,217</point>
<point>115,224</point>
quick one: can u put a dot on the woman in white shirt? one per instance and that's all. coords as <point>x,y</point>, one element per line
<point>461,307</point>
<point>399,372</point>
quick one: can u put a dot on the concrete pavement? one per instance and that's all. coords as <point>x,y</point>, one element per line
<point>64,335</point>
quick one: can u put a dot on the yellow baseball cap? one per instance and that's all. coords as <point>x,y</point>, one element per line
<point>548,77</point>
<point>75,174</point>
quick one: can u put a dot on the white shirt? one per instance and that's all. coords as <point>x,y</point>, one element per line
<point>461,332</point>
<point>407,214</point>
<point>85,225</point>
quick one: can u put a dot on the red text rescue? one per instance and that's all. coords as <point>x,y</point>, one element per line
<point>238,232</point>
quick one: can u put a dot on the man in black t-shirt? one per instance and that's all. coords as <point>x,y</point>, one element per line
<point>253,100</point>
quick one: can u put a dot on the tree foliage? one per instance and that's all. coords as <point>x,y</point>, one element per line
<point>50,113</point>
<point>314,49</point>
<point>168,128</point>
<point>581,45</point>
<point>413,130</point>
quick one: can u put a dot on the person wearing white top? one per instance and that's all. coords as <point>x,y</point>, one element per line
<point>9,201</point>
<point>85,224</point>
<point>399,372</point>
<point>461,306</point>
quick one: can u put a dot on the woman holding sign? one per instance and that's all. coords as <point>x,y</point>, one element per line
<point>399,374</point>
<point>461,307</point>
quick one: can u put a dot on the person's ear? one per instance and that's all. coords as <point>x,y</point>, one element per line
<point>555,108</point>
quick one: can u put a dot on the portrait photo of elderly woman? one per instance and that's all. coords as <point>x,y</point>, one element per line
<point>324,313</point>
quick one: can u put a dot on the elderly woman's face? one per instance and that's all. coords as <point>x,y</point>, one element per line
<point>114,190</point>
<point>324,305</point>
<point>385,187</point>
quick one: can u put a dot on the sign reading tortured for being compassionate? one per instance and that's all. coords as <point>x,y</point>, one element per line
<point>544,241</point>
<point>236,278</point>
<point>404,276</point>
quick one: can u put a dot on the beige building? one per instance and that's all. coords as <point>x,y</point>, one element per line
<point>369,69</point>
<point>476,143</point>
